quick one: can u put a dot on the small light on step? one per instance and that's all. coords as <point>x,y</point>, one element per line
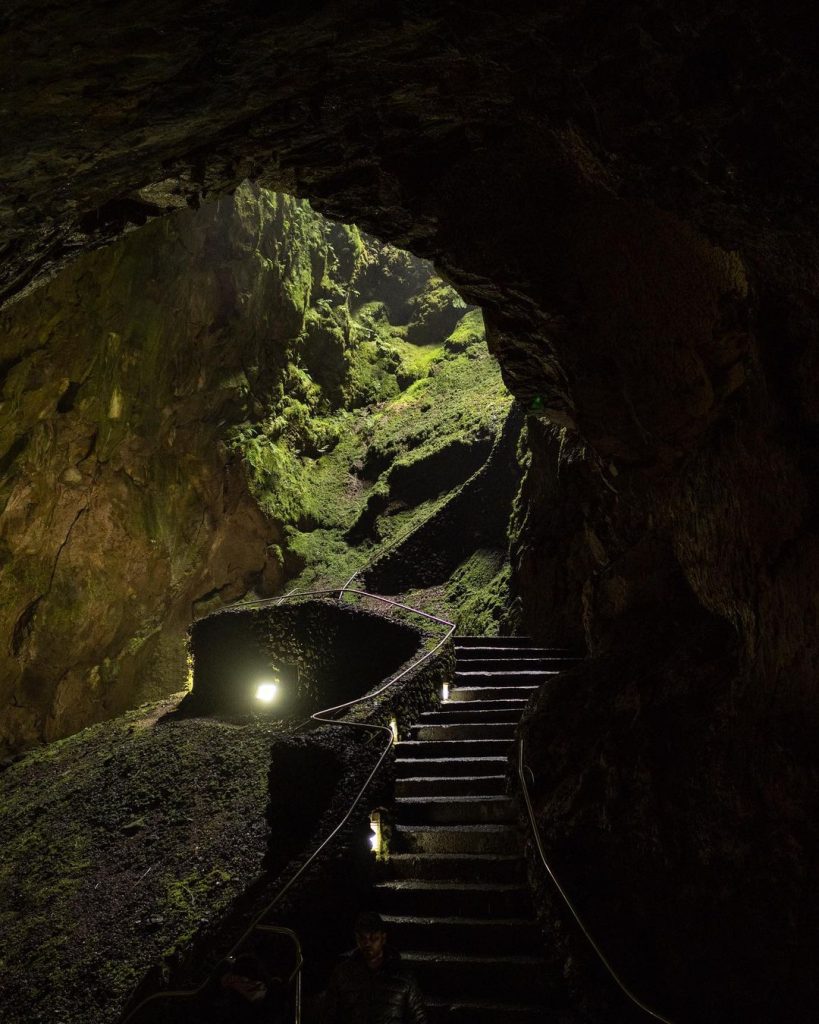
<point>267,692</point>
<point>394,729</point>
<point>376,839</point>
<point>445,691</point>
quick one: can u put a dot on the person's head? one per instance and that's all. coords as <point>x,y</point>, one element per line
<point>371,937</point>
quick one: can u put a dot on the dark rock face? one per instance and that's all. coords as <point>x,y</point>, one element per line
<point>633,201</point>
<point>325,654</point>
<point>125,507</point>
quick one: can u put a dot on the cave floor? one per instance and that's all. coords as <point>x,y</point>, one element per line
<point>117,846</point>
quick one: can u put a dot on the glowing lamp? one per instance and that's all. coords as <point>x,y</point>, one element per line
<point>394,729</point>
<point>377,838</point>
<point>267,692</point>
<point>445,691</point>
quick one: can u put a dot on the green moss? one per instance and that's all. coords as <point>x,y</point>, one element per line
<point>478,592</point>
<point>468,332</point>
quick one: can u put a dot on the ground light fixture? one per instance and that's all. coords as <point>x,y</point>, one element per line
<point>267,691</point>
<point>445,691</point>
<point>377,837</point>
<point>394,729</point>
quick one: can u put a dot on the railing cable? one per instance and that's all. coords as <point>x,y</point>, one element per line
<point>522,766</point>
<point>321,717</point>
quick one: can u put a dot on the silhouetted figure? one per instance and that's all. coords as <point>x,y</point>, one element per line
<point>371,985</point>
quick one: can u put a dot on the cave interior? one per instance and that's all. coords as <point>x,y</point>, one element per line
<point>508,309</point>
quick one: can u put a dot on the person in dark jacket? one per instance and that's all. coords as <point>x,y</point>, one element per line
<point>371,985</point>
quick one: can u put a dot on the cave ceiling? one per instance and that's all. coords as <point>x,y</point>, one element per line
<point>552,159</point>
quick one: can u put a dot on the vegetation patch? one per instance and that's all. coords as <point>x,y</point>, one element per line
<point>478,592</point>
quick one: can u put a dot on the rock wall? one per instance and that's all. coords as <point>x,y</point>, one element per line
<point>324,653</point>
<point>125,506</point>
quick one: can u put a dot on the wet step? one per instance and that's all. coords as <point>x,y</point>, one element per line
<point>455,838</point>
<point>493,641</point>
<point>517,664</point>
<point>455,892</point>
<point>465,934</point>
<point>452,748</point>
<point>448,785</point>
<point>469,867</point>
<point>450,810</point>
<point>501,676</point>
<point>422,897</point>
<point>483,977</point>
<point>413,767</point>
<point>464,731</point>
<point>490,651</point>
<point>457,713</point>
<point>466,706</point>
<point>501,692</point>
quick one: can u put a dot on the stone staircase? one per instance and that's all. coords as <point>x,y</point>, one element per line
<point>455,895</point>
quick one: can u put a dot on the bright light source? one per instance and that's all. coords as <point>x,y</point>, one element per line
<point>266,692</point>
<point>445,691</point>
<point>377,838</point>
<point>394,728</point>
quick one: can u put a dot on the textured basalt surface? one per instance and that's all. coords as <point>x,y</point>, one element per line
<point>632,198</point>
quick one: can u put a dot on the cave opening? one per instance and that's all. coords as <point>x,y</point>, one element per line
<point>250,401</point>
<point>247,396</point>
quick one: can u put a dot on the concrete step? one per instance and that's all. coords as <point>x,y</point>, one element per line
<point>464,978</point>
<point>446,785</point>
<point>452,810</point>
<point>488,1011</point>
<point>465,934</point>
<point>493,641</point>
<point>451,713</point>
<point>502,677</point>
<point>456,839</point>
<point>469,867</point>
<point>413,767</point>
<point>516,664</point>
<point>452,748</point>
<point>464,731</point>
<point>517,704</point>
<point>423,897</point>
<point>501,692</point>
<point>488,650</point>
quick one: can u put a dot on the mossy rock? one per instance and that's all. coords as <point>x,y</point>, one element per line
<point>436,311</point>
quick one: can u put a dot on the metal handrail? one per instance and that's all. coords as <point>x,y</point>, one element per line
<point>318,716</point>
<point>565,897</point>
<point>278,929</point>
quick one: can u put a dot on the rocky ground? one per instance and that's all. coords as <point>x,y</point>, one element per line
<point>134,853</point>
<point>117,846</point>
